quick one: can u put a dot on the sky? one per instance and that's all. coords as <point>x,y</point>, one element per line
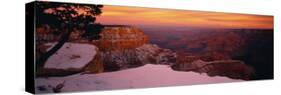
<point>168,17</point>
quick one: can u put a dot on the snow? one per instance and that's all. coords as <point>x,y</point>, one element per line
<point>71,55</point>
<point>148,75</point>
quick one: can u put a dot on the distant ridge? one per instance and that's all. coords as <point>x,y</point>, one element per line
<point>117,25</point>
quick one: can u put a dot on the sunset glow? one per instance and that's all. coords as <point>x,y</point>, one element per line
<point>153,16</point>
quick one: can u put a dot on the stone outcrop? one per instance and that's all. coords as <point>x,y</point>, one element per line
<point>231,68</point>
<point>113,37</point>
<point>116,37</point>
<point>95,65</point>
<point>151,53</point>
<point>121,47</point>
<point>117,47</point>
<point>114,60</point>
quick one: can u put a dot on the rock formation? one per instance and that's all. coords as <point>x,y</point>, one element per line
<point>231,68</point>
<point>122,47</point>
<point>117,37</point>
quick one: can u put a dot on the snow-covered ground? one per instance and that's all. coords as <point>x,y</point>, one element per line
<point>146,76</point>
<point>71,55</point>
<point>74,55</point>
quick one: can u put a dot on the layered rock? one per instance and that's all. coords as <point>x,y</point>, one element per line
<point>113,37</point>
<point>122,47</point>
<point>117,37</point>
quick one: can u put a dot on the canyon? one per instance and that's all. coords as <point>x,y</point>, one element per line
<point>123,47</point>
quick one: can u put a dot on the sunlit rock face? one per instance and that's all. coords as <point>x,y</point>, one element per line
<point>120,37</point>
<point>113,37</point>
<point>117,46</point>
<point>124,47</point>
<point>121,47</point>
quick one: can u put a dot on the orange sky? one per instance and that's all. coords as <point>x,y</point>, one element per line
<point>152,16</point>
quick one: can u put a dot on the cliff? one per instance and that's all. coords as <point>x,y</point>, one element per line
<point>113,37</point>
<point>117,37</point>
<point>121,47</point>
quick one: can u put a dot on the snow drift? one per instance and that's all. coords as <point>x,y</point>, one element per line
<point>148,75</point>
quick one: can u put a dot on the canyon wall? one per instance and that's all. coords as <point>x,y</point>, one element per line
<point>121,47</point>
<point>115,37</point>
